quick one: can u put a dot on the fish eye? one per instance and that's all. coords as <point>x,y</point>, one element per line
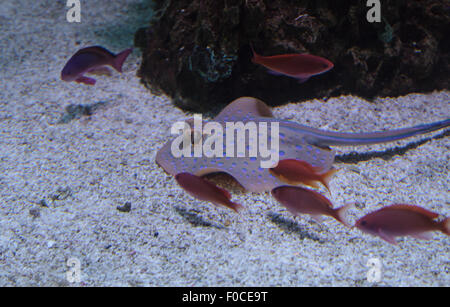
<point>363,223</point>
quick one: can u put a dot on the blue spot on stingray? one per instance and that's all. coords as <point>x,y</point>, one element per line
<point>299,147</point>
<point>282,153</point>
<point>252,158</point>
<point>282,135</point>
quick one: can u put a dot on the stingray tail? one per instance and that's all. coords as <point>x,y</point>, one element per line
<point>328,138</point>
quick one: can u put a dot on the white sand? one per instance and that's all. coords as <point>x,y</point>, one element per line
<point>84,169</point>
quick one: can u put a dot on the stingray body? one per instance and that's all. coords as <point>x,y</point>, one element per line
<point>247,170</point>
<point>295,142</point>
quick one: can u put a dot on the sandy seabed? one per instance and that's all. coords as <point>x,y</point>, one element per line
<point>60,184</point>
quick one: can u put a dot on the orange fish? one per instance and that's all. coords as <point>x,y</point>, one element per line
<point>295,171</point>
<point>205,190</point>
<point>299,66</point>
<point>298,200</point>
<point>402,220</point>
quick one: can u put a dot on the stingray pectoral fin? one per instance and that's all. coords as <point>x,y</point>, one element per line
<point>244,106</point>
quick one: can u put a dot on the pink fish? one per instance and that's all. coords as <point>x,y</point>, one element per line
<point>402,220</point>
<point>295,171</point>
<point>299,66</point>
<point>299,200</point>
<point>205,190</point>
<point>92,60</point>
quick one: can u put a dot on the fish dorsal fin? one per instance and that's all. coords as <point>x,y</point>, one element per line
<point>95,49</point>
<point>244,106</point>
<point>414,208</point>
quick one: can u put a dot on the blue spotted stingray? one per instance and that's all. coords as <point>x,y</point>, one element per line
<point>295,142</point>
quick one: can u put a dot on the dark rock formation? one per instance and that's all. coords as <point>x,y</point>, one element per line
<point>198,51</point>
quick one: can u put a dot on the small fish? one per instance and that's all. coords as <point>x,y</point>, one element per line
<point>299,66</point>
<point>402,220</point>
<point>92,60</point>
<point>298,200</point>
<point>295,171</point>
<point>205,190</point>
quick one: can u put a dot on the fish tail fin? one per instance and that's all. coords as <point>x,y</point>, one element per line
<point>120,59</point>
<point>302,80</point>
<point>255,55</point>
<point>341,214</point>
<point>235,206</point>
<point>228,203</point>
<point>326,177</point>
<point>446,226</point>
<point>310,183</point>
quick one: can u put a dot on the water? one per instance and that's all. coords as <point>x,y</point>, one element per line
<point>61,183</point>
